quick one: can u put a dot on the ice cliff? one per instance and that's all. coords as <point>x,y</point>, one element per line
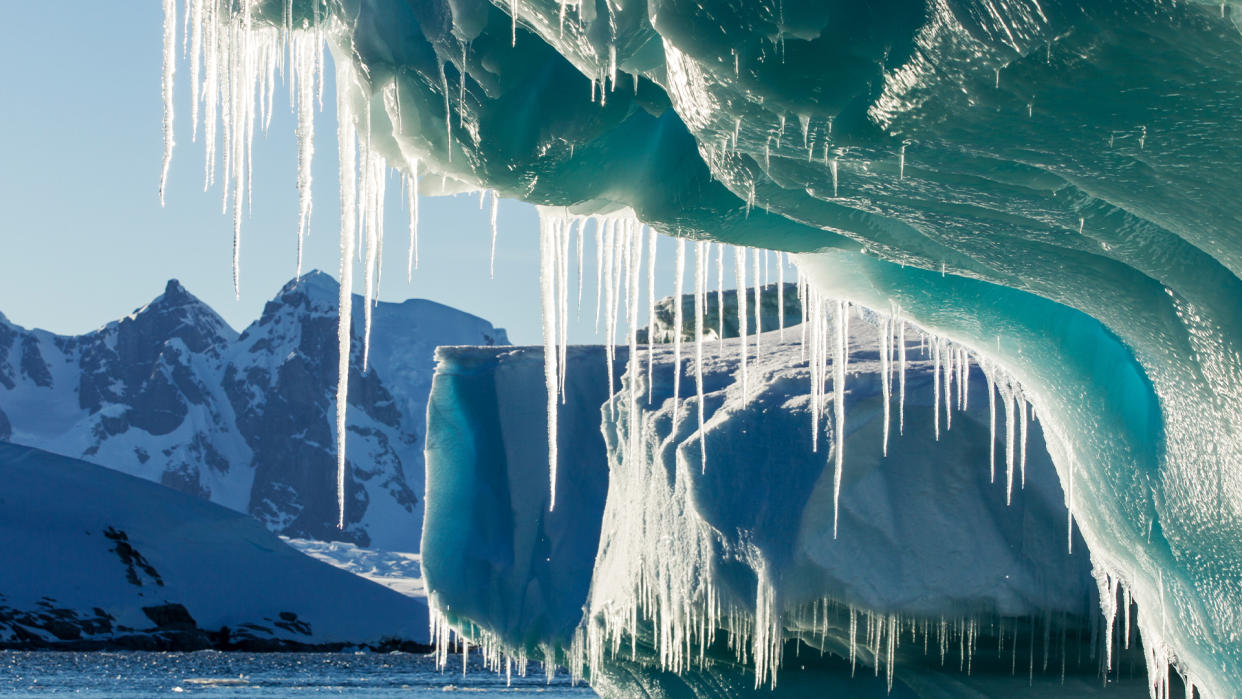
<point>1049,184</point>
<point>646,559</point>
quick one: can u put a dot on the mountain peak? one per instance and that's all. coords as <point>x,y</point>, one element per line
<point>176,298</point>
<point>178,313</point>
<point>317,287</point>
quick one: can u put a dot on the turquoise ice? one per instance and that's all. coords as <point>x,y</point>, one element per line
<point>1051,185</point>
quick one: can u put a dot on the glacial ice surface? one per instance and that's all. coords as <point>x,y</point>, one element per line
<point>1051,184</point>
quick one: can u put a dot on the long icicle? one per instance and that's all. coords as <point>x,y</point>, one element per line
<point>885,337</point>
<point>166,85</point>
<point>838,393</point>
<point>651,309</point>
<point>346,144</point>
<point>411,192</point>
<point>758,303</point>
<point>547,282</point>
<point>720,312</point>
<point>901,357</point>
<point>677,323</point>
<point>780,294</point>
<point>491,266</point>
<point>303,80</point>
<point>739,267</point>
<point>701,254</point>
<point>633,361</point>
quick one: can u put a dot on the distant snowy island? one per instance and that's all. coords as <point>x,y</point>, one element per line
<point>235,433</point>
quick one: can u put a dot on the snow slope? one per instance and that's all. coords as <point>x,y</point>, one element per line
<point>173,395</point>
<point>87,549</point>
<point>925,535</point>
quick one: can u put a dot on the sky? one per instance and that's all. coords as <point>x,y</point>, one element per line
<point>86,241</point>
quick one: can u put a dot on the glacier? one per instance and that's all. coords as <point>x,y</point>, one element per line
<point>1048,184</point>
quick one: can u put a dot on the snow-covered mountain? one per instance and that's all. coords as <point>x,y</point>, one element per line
<point>172,394</point>
<point>97,558</point>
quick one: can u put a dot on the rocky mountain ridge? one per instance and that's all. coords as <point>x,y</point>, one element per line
<point>172,394</point>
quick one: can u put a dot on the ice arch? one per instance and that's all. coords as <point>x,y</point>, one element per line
<point>1049,183</point>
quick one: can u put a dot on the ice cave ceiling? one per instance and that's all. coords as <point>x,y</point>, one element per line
<point>1051,184</point>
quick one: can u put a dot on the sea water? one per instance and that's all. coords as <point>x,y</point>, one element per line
<point>212,673</point>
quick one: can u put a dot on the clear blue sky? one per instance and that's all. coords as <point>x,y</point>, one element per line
<point>85,240</point>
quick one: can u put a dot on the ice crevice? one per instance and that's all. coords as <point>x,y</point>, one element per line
<point>1094,276</point>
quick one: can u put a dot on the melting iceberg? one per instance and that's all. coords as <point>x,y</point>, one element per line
<point>945,577</point>
<point>1050,185</point>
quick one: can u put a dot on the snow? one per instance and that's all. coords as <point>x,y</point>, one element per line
<point>398,571</point>
<point>222,566</point>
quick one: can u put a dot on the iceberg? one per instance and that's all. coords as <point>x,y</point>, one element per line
<point>1049,185</point>
<point>643,556</point>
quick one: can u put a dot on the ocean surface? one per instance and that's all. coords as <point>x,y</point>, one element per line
<point>216,674</point>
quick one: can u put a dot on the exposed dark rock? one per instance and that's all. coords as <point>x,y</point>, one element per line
<point>170,617</point>
<point>134,561</point>
<point>33,366</point>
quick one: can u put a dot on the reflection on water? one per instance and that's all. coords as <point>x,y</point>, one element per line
<point>211,673</point>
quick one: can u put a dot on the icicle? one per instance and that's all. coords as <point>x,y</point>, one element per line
<point>1069,506</point>
<point>513,16</point>
<point>758,304</point>
<point>599,268</point>
<point>651,309</point>
<point>901,353</point>
<point>991,427</point>
<point>885,337</point>
<point>780,296</point>
<point>448,115</point>
<point>1007,395</point>
<point>634,239</point>
<point>739,265</point>
<point>547,282</point>
<point>491,266</point>
<point>720,248</point>
<point>1022,420</point>
<point>677,325</point>
<point>936,389</point>
<point>833,166</point>
<point>581,241</point>
<point>166,84</point>
<point>304,79</point>
<point>411,192</point>
<point>813,316</point>
<point>838,389</point>
<point>346,144</point>
<point>564,228</point>
<point>701,255</point>
<point>901,163</point>
<point>610,305</point>
<point>948,354</point>
<point>963,383</point>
